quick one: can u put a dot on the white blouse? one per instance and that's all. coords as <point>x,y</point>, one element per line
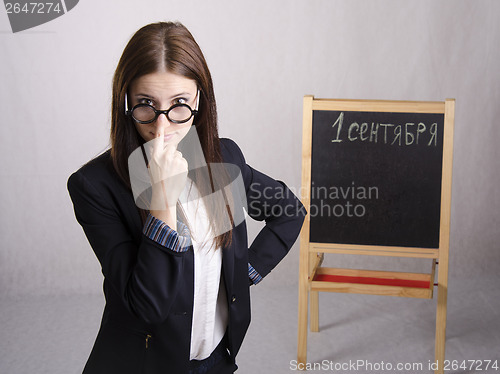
<point>210,312</point>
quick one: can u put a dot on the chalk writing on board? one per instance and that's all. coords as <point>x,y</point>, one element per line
<point>405,134</point>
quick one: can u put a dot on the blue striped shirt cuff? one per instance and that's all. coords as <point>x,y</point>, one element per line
<point>160,232</point>
<point>253,275</point>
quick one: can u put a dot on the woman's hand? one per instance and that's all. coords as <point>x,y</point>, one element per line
<point>168,172</point>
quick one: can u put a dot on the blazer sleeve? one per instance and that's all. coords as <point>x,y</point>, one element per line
<point>271,201</point>
<point>145,275</point>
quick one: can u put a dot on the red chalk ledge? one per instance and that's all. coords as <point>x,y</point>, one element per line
<point>373,282</point>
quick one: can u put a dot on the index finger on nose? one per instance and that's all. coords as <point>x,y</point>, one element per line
<point>158,141</point>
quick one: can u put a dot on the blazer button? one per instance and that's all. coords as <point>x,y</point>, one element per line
<point>233,299</point>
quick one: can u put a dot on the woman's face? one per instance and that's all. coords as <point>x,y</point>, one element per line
<point>162,90</point>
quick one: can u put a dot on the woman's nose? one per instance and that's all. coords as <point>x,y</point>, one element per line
<point>163,121</point>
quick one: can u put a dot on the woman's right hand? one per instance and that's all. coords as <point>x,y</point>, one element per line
<point>168,172</point>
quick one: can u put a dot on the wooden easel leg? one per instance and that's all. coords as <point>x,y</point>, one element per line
<point>314,311</point>
<point>441,322</point>
<point>302,328</point>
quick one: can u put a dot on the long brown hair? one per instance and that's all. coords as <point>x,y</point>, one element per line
<point>155,47</point>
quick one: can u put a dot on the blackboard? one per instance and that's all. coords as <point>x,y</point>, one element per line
<point>376,178</point>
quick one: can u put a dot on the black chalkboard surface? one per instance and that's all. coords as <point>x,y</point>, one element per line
<point>376,178</point>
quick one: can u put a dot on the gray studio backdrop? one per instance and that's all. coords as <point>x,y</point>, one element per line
<point>264,56</point>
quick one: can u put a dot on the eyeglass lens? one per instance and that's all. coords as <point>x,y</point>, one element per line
<point>147,113</point>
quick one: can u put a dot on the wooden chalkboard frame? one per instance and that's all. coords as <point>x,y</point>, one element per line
<point>313,278</point>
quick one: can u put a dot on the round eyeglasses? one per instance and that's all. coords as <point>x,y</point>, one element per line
<point>177,113</point>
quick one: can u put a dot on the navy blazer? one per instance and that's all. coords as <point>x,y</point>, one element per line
<point>149,288</point>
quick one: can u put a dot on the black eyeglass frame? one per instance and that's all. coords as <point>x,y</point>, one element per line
<point>158,112</point>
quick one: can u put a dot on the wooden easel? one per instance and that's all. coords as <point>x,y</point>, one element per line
<point>313,278</point>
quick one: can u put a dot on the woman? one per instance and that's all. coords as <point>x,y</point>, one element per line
<point>176,277</point>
